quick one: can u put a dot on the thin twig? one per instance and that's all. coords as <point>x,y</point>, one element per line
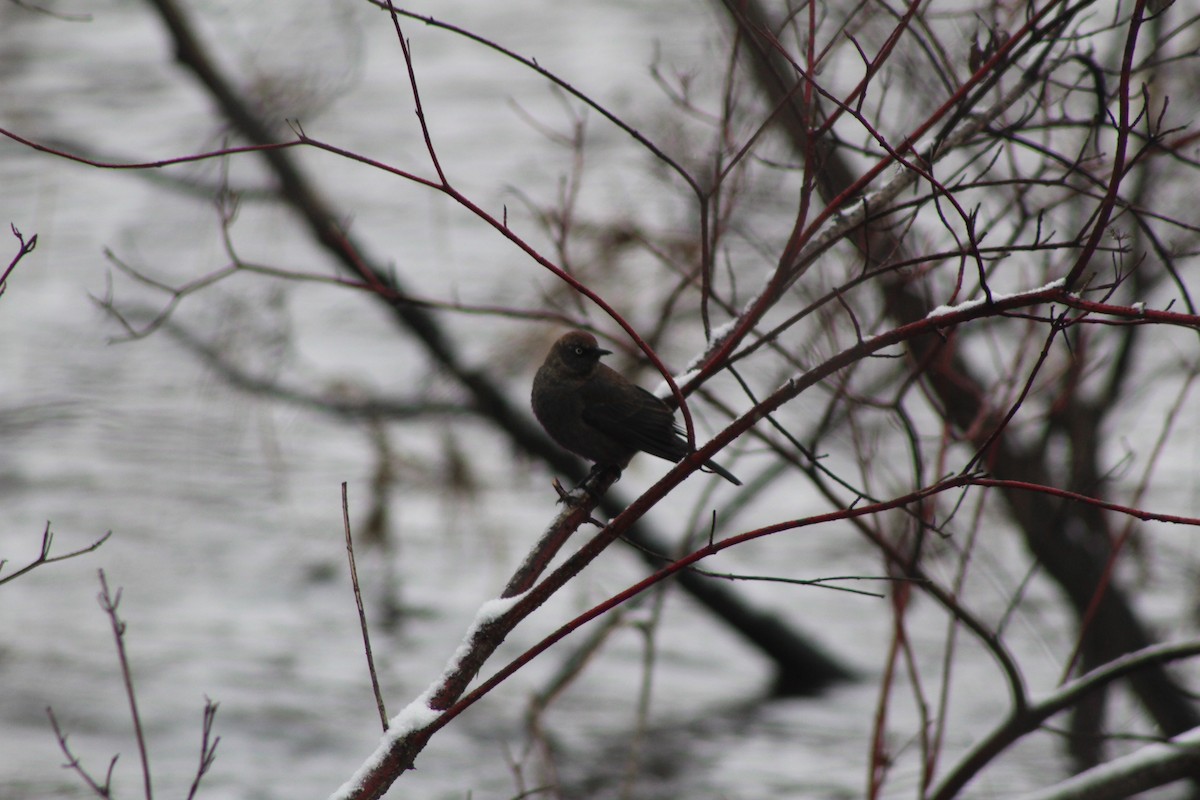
<point>109,603</point>
<point>208,744</point>
<point>26,247</point>
<point>44,556</point>
<point>208,752</point>
<point>362,614</point>
<point>73,762</point>
<point>822,583</point>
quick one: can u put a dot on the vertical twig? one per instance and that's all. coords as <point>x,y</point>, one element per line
<point>362,614</point>
<point>109,603</point>
<point>208,752</point>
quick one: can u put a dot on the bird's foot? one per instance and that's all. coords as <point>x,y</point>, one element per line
<point>584,489</point>
<point>575,497</point>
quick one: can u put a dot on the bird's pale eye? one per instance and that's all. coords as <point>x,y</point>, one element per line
<point>578,351</point>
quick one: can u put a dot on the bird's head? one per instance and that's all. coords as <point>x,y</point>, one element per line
<point>578,352</point>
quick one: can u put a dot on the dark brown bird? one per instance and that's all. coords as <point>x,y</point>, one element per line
<point>594,412</point>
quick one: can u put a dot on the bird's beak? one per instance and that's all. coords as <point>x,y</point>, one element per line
<point>602,352</point>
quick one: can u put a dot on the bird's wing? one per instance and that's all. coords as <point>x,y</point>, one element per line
<point>637,419</point>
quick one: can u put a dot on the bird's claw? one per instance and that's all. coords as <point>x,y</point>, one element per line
<point>574,497</point>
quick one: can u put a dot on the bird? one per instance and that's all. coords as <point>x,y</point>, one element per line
<point>595,412</point>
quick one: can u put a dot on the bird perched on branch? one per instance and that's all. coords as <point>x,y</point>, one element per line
<point>594,412</point>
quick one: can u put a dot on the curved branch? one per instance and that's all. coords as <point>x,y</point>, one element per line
<point>1020,724</point>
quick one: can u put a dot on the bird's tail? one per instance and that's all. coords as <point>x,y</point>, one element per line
<point>713,466</point>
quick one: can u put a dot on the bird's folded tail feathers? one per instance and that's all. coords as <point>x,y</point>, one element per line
<point>713,466</point>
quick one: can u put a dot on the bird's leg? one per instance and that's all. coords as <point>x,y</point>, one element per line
<point>585,488</point>
<point>593,475</point>
<point>575,496</point>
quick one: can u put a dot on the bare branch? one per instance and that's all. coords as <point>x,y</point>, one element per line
<point>362,614</point>
<point>109,603</point>
<point>208,746</point>
<point>1028,719</point>
<point>44,556</point>
<point>24,248</point>
<point>73,763</point>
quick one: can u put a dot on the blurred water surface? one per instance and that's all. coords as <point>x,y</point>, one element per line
<point>225,510</point>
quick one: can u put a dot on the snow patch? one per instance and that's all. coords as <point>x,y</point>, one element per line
<point>942,311</point>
